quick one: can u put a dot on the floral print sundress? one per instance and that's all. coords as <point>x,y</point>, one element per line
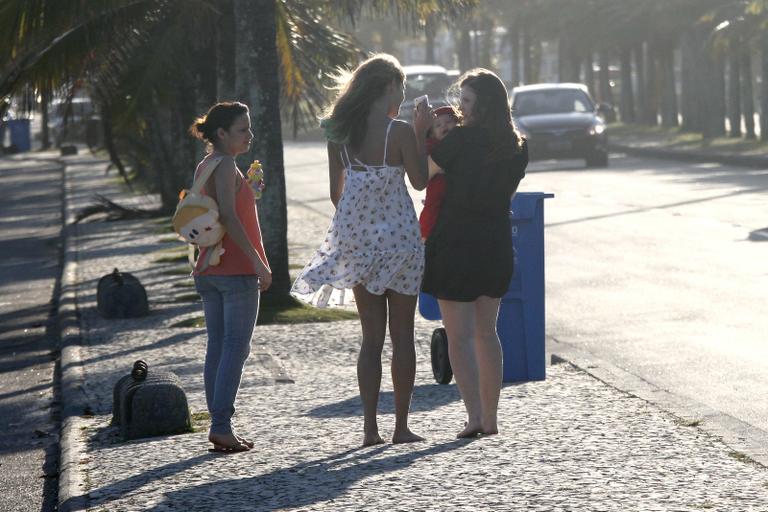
<point>373,239</point>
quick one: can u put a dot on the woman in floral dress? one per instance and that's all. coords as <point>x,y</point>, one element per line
<point>373,244</point>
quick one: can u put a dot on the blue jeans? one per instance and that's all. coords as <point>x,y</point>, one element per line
<point>231,305</point>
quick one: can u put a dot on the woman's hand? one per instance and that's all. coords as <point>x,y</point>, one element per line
<point>422,119</point>
<point>263,273</point>
<point>265,280</point>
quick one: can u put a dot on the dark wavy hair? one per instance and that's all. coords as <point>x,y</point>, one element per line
<point>492,110</point>
<point>345,121</point>
<point>221,115</point>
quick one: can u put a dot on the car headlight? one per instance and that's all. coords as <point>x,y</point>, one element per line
<point>597,129</point>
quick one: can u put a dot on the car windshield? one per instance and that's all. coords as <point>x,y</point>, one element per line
<point>551,101</point>
<point>433,84</point>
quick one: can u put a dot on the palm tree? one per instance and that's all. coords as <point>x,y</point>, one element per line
<point>141,60</point>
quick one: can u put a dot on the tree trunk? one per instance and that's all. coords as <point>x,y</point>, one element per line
<point>429,40</point>
<point>258,62</point>
<point>527,64</point>
<point>514,53</point>
<point>640,100</point>
<point>487,44</point>
<point>650,116</point>
<point>605,93</point>
<point>387,40</point>
<point>668,91</point>
<point>225,54</point>
<point>572,65</point>
<point>464,49</point>
<point>692,61</point>
<point>734,89</point>
<point>45,103</point>
<point>536,55</point>
<point>109,142</point>
<point>589,73</point>
<point>567,61</point>
<point>717,103</point>
<point>747,94</point>
<point>764,89</point>
<point>627,93</point>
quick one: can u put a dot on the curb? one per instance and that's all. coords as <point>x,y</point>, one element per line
<point>736,434</point>
<point>756,162</point>
<point>73,398</point>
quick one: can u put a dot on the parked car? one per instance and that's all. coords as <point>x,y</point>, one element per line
<point>68,120</point>
<point>424,79</point>
<point>561,121</point>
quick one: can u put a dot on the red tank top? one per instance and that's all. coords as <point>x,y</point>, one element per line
<point>234,261</point>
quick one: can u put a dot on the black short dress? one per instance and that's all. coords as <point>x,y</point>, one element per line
<point>469,252</point>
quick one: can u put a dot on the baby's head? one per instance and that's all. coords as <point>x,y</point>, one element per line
<point>445,119</point>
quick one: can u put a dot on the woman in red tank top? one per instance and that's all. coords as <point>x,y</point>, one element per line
<point>229,290</point>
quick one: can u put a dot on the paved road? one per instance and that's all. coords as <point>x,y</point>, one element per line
<point>656,266</point>
<point>30,195</point>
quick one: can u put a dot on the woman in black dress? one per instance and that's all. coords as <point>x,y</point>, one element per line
<point>469,253</point>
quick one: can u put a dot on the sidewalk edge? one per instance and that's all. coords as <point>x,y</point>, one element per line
<point>741,437</point>
<point>73,403</point>
<point>756,162</point>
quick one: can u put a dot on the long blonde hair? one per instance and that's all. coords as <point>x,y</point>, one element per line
<point>345,120</point>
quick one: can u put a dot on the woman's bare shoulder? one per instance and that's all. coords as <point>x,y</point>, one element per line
<point>401,130</point>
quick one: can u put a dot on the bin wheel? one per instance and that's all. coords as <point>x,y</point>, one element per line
<point>441,365</point>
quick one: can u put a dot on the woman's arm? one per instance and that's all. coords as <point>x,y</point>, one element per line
<point>223,188</point>
<point>335,172</point>
<point>433,168</point>
<point>414,147</point>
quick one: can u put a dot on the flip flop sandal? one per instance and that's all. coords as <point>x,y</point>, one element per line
<point>245,441</point>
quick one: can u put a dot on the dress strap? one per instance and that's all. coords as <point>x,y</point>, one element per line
<point>386,139</point>
<point>348,163</point>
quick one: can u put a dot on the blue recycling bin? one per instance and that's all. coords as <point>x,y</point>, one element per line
<point>20,134</point>
<point>521,314</point>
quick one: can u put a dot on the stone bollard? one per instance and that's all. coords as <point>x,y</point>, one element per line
<point>121,295</point>
<point>150,403</point>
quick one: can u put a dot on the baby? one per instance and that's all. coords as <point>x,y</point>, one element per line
<point>445,119</point>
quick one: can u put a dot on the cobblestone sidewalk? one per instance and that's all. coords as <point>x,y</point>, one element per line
<point>568,443</point>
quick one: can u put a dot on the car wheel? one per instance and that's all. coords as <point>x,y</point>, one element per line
<point>599,159</point>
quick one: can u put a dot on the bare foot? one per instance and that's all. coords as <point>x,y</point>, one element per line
<point>470,431</point>
<point>372,439</point>
<point>406,436</point>
<point>226,443</point>
<point>490,427</point>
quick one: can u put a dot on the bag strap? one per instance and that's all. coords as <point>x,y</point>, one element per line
<point>205,174</point>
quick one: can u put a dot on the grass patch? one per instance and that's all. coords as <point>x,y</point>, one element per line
<point>177,271</point>
<point>184,284</point>
<point>282,309</point>
<point>172,254</point>
<point>677,138</point>
<point>197,322</point>
<point>742,457</point>
<point>171,239</point>
<point>295,266</point>
<point>187,297</point>
<point>200,421</point>
<point>689,423</point>
<point>171,258</point>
